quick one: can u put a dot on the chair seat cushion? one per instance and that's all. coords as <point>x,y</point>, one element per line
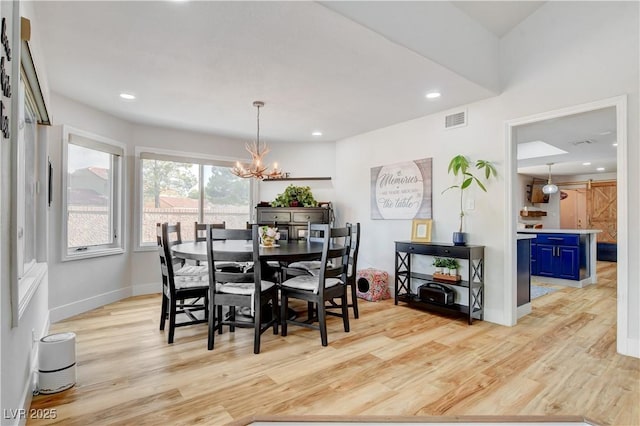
<point>307,265</point>
<point>240,266</point>
<point>242,288</point>
<point>190,281</point>
<point>192,270</point>
<point>309,282</point>
<point>247,289</point>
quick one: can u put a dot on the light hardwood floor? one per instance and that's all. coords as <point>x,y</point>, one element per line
<point>559,360</point>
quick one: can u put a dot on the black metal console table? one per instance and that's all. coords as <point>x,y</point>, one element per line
<point>473,282</point>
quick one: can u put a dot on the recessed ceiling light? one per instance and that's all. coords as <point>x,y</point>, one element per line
<point>537,149</point>
<point>615,144</point>
<point>433,95</point>
<point>600,169</point>
<point>316,134</point>
<point>127,96</point>
<point>586,164</point>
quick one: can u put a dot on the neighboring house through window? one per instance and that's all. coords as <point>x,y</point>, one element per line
<point>93,199</point>
<point>188,190</point>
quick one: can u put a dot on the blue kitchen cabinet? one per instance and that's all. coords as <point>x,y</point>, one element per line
<point>558,256</point>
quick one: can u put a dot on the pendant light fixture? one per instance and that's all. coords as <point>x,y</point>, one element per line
<point>549,188</point>
<point>257,169</point>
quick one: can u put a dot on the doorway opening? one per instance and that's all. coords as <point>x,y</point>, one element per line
<point>515,194</point>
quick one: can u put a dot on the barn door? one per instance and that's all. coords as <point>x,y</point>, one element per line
<point>602,210</point>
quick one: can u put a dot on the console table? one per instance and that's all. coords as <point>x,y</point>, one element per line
<point>473,284</point>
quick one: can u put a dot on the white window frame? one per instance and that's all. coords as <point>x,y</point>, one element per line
<point>142,152</point>
<point>117,204</point>
<point>29,275</point>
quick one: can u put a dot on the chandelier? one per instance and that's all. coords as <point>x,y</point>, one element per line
<point>549,188</point>
<point>257,169</point>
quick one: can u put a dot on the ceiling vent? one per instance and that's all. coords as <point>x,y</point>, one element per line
<point>458,119</point>
<point>584,142</point>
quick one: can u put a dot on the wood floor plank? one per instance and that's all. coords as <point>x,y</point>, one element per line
<point>396,361</point>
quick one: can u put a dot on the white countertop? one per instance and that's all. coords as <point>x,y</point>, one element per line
<point>558,231</point>
<point>526,236</point>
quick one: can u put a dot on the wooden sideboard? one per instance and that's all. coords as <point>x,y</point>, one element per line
<point>294,219</point>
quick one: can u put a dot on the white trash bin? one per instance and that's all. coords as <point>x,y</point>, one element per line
<point>57,362</point>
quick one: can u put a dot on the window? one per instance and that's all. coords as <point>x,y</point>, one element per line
<point>92,200</point>
<point>28,175</point>
<point>189,190</point>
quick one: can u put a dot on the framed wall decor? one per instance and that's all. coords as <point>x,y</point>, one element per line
<point>421,230</point>
<point>401,190</point>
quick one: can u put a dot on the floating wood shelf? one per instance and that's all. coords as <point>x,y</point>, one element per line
<point>298,178</point>
<point>532,213</point>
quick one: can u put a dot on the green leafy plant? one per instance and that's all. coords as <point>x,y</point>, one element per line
<point>451,263</point>
<point>295,196</point>
<point>460,167</point>
<point>439,262</point>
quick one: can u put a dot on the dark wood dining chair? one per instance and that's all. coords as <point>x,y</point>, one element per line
<point>239,289</point>
<point>184,287</point>
<point>352,271</point>
<point>305,267</point>
<point>329,284</point>
<point>200,230</point>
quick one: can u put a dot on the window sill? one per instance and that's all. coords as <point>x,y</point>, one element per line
<point>28,285</point>
<point>92,253</point>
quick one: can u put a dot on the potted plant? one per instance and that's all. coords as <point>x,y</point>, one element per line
<point>295,196</point>
<point>460,167</point>
<point>438,263</point>
<point>453,266</point>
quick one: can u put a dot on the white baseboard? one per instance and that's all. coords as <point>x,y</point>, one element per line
<point>629,347</point>
<point>66,311</point>
<point>150,288</point>
<point>536,279</point>
<point>524,310</point>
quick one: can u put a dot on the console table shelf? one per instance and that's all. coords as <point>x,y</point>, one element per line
<point>473,285</point>
<point>413,300</point>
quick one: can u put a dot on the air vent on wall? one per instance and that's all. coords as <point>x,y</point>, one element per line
<point>457,119</point>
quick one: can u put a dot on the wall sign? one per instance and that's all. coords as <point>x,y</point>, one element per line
<point>401,190</point>
<point>5,80</point>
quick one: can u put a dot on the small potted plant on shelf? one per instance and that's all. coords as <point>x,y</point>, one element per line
<point>438,263</point>
<point>295,196</point>
<point>460,166</point>
<point>453,266</point>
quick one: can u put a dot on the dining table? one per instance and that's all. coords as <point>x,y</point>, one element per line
<point>285,251</point>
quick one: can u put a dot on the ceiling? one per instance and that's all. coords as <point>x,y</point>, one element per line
<point>342,68</point>
<point>587,137</point>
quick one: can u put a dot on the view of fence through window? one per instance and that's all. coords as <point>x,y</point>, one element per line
<point>89,193</point>
<point>171,193</point>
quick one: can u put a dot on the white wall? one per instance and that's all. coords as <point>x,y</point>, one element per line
<point>561,55</point>
<point>302,160</point>
<point>422,138</point>
<point>18,353</point>
<point>75,286</point>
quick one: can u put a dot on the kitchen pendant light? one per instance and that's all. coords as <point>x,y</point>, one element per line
<point>549,188</point>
